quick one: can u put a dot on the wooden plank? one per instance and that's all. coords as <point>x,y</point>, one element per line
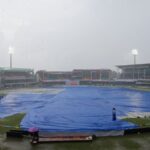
<point>65,139</point>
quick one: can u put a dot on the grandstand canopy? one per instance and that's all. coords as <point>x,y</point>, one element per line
<point>134,65</point>
<point>7,69</point>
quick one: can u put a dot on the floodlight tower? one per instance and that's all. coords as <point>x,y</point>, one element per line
<point>134,53</point>
<point>10,52</point>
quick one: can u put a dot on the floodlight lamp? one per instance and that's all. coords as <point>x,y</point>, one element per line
<point>11,50</point>
<point>134,52</point>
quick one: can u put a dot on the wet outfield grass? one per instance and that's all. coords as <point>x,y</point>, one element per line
<point>11,122</point>
<point>134,142</point>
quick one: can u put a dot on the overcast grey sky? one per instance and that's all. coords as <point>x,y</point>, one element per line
<point>69,34</point>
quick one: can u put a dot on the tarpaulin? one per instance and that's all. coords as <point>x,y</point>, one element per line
<point>87,109</point>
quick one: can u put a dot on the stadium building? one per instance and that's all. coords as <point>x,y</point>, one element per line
<point>135,72</point>
<point>53,77</point>
<point>73,77</point>
<point>92,74</point>
<point>14,77</point>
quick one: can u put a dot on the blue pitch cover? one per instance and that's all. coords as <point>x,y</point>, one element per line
<point>76,108</point>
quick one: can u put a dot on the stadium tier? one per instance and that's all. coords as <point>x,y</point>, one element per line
<point>11,77</point>
<point>75,76</point>
<point>135,72</point>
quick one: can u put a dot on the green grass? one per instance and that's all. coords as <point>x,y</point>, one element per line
<point>129,143</point>
<point>132,142</point>
<point>142,122</point>
<point>11,122</point>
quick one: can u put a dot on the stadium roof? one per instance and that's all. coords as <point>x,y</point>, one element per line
<point>54,72</point>
<point>7,69</point>
<point>147,65</point>
<point>91,70</point>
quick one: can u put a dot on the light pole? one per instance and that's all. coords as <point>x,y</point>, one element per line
<point>10,52</point>
<point>134,53</point>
